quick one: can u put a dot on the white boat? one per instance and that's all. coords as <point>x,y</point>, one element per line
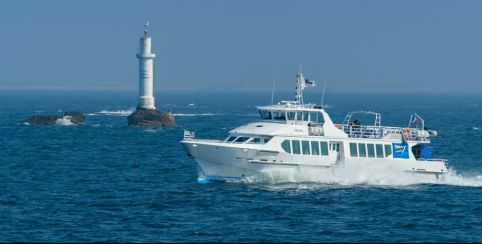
<point>295,139</point>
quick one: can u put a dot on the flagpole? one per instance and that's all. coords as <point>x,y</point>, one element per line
<point>323,94</point>
<point>272,91</point>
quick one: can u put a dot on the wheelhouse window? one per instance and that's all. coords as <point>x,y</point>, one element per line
<point>362,150</point>
<point>379,148</point>
<point>241,139</point>
<point>291,115</point>
<point>265,114</point>
<point>315,148</point>
<point>295,144</point>
<point>388,150</point>
<point>286,146</point>
<point>353,150</point>
<point>255,140</point>
<point>279,116</point>
<point>306,147</point>
<point>258,140</point>
<point>230,139</point>
<point>371,150</point>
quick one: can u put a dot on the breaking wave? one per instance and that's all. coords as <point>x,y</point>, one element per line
<point>190,115</point>
<point>65,121</point>
<point>113,112</point>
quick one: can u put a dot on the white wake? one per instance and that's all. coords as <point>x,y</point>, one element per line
<point>359,177</point>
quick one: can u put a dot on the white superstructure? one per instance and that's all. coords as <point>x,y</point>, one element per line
<point>294,138</point>
<point>146,72</point>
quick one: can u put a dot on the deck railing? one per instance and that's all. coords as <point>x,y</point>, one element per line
<point>377,132</point>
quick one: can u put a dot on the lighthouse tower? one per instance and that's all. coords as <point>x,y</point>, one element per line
<point>146,114</point>
<point>146,71</point>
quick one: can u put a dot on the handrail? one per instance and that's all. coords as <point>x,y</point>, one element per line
<point>376,132</point>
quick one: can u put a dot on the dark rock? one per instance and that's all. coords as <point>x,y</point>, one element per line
<point>74,117</point>
<point>150,118</point>
<point>42,119</point>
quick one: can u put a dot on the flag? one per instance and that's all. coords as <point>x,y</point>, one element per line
<point>309,83</point>
<point>189,135</point>
<point>415,120</point>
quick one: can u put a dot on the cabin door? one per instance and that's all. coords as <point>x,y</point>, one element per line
<point>336,149</point>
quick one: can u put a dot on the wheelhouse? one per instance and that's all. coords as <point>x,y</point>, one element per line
<point>292,113</point>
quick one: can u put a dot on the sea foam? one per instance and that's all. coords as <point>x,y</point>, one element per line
<point>116,112</point>
<point>359,177</point>
<point>64,121</point>
<point>190,115</point>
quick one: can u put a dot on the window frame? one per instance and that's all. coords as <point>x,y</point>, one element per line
<point>364,147</point>
<point>298,148</point>
<point>289,146</point>
<point>305,147</point>
<point>315,144</point>
<point>387,146</point>
<point>353,149</point>
<point>324,148</point>
<point>378,149</point>
<point>372,150</point>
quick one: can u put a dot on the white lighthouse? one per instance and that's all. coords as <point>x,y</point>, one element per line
<point>146,71</point>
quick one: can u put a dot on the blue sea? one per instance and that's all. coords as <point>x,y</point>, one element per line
<point>106,182</point>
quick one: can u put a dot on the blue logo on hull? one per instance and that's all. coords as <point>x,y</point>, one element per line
<point>400,150</point>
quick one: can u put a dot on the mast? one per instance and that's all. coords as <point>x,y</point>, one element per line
<point>300,79</point>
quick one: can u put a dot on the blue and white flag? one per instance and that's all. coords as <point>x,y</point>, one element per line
<point>309,83</point>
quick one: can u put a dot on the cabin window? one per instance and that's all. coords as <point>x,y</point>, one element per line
<point>305,116</point>
<point>255,140</point>
<point>306,147</point>
<point>324,148</point>
<point>259,140</point>
<point>291,115</point>
<point>362,150</point>
<point>388,150</point>
<point>315,148</point>
<point>353,150</point>
<point>265,114</point>
<point>230,139</point>
<point>379,148</point>
<point>241,139</point>
<point>286,146</point>
<point>295,144</point>
<point>371,150</point>
<point>279,116</point>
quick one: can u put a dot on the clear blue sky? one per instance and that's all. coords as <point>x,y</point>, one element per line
<point>238,45</point>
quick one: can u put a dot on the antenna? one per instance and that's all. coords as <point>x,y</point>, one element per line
<point>323,94</point>
<point>272,91</point>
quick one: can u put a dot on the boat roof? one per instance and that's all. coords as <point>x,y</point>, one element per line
<point>291,106</point>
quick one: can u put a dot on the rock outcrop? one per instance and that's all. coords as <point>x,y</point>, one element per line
<point>73,116</point>
<point>150,118</point>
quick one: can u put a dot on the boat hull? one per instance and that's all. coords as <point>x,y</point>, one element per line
<point>221,162</point>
